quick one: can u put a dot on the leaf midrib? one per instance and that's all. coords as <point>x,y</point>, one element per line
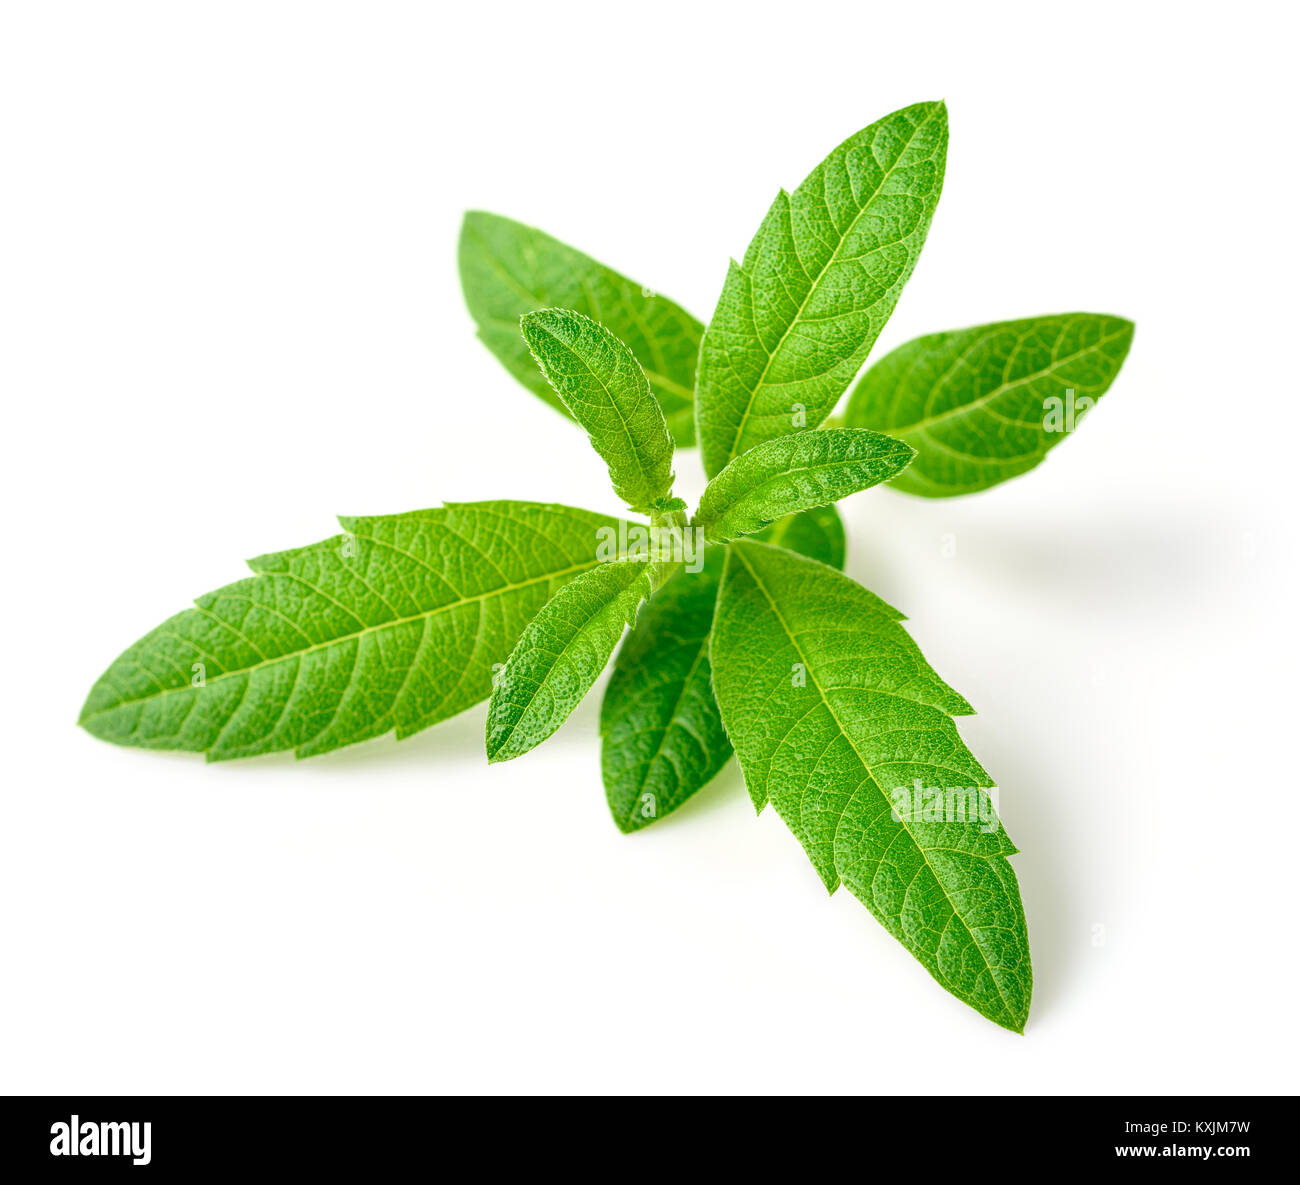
<point>288,655</point>
<point>956,413</point>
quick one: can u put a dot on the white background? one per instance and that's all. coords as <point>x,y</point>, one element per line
<point>231,310</point>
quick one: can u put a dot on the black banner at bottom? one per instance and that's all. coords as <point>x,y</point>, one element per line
<point>366,1135</point>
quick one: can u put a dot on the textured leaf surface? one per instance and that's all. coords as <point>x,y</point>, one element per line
<point>561,654</point>
<point>395,625</point>
<point>832,709</point>
<point>661,733</point>
<point>508,269</point>
<point>793,473</point>
<point>796,320</point>
<point>985,404</point>
<point>606,391</point>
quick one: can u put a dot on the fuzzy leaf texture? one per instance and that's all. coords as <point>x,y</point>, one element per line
<point>508,269</point>
<point>393,626</point>
<point>606,391</point>
<point>796,319</point>
<point>662,738</point>
<point>986,404</point>
<point>793,473</point>
<point>832,711</point>
<point>561,654</point>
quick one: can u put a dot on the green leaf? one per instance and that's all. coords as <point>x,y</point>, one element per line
<point>508,269</point>
<point>985,404</point>
<point>661,733</point>
<point>817,533</point>
<point>561,654</point>
<point>834,714</point>
<point>605,390</point>
<point>793,473</point>
<point>394,625</point>
<point>796,320</point>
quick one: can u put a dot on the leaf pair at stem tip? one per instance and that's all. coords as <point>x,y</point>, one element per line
<point>565,647</point>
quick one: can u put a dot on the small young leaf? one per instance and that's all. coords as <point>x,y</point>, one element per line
<point>985,404</point>
<point>661,733</point>
<point>796,320</point>
<point>839,721</point>
<point>394,625</point>
<point>793,473</point>
<point>605,390</point>
<point>561,654</point>
<point>508,269</point>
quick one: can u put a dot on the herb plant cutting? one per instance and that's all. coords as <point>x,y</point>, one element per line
<point>745,635</point>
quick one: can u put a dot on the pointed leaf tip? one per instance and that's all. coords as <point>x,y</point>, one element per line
<point>806,661</point>
<point>771,365</point>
